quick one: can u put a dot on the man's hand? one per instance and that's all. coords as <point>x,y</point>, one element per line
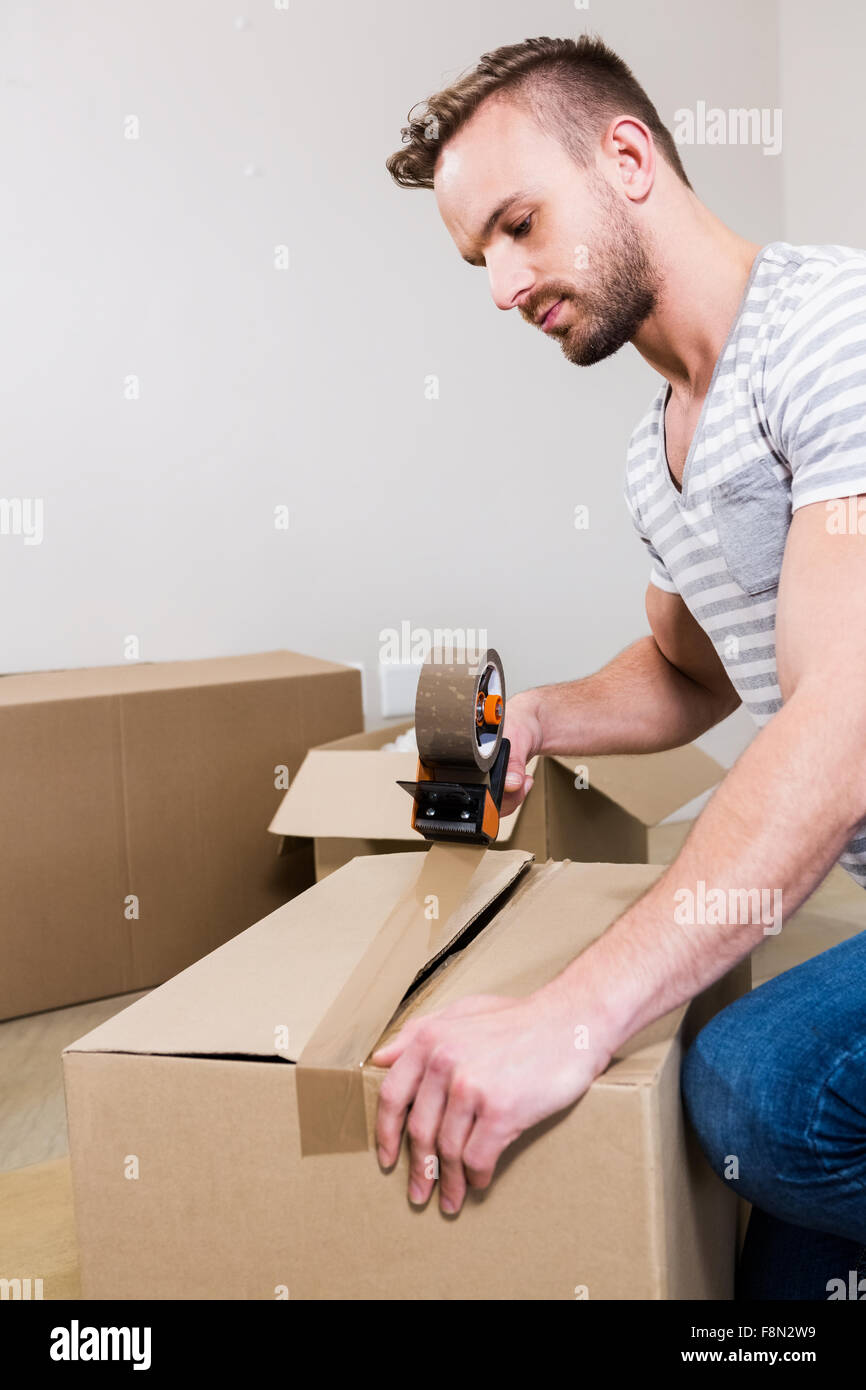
<point>473,1076</point>
<point>523,731</point>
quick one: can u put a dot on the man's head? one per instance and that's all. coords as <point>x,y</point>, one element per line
<point>564,125</point>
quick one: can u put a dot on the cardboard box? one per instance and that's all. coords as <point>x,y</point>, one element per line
<point>346,798</point>
<point>186,1144</point>
<point>832,914</point>
<point>133,810</point>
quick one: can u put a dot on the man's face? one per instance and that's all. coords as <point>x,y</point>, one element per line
<point>569,237</point>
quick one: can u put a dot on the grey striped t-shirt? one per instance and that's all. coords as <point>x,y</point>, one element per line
<point>783,424</point>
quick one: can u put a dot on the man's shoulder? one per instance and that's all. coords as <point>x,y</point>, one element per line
<point>801,281</point>
<point>785,263</point>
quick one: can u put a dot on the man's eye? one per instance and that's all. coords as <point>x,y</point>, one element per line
<point>522,227</point>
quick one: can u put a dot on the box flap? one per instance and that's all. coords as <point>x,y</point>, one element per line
<point>553,915</point>
<point>85,682</point>
<point>352,792</point>
<point>349,794</point>
<point>650,786</point>
<point>264,992</point>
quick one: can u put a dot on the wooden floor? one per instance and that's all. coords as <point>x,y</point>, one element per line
<point>36,1222</point>
<point>37,1228</point>
<point>37,1232</point>
<point>32,1111</point>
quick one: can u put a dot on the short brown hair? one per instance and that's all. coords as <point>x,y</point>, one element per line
<point>572,87</point>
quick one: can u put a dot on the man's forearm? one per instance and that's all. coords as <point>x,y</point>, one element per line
<point>778,822</point>
<point>637,703</point>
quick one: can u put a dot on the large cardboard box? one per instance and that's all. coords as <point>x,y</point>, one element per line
<point>133,808</point>
<point>346,798</point>
<point>191,1170</point>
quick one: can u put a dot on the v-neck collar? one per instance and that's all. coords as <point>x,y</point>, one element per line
<point>681,491</point>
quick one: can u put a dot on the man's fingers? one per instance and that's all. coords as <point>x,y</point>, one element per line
<point>395,1097</point>
<point>422,1129</point>
<point>390,1051</point>
<point>454,1132</point>
<point>511,797</point>
<point>470,1004</point>
<point>516,770</point>
<point>487,1142</point>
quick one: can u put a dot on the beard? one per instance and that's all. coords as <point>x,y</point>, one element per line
<point>623,292</point>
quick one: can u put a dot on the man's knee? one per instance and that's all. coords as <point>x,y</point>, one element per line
<point>768,1107</point>
<point>747,1094</point>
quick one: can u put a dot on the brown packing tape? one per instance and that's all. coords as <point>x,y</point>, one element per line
<point>329,1077</point>
<point>445,703</point>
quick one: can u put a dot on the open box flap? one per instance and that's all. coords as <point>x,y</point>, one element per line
<point>264,993</point>
<point>649,786</point>
<point>350,795</point>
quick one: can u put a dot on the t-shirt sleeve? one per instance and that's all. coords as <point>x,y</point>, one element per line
<point>815,388</point>
<point>658,574</point>
<point>658,571</point>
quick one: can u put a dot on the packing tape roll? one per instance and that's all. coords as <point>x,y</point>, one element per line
<point>445,711</point>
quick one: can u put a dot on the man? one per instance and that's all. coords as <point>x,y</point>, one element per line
<point>552,170</point>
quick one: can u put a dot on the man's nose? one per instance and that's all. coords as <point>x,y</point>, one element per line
<point>509,286</point>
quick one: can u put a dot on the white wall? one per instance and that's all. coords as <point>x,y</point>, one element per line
<point>305,386</point>
<point>823,53</point>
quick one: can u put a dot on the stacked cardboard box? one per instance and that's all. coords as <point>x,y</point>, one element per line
<point>133,814</point>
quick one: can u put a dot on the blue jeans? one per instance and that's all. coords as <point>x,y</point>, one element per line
<point>775,1087</point>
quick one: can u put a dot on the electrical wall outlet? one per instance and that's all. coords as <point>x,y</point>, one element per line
<point>398,682</point>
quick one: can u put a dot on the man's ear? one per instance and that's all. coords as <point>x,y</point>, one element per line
<point>629,143</point>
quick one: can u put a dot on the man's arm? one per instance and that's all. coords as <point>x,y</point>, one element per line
<point>478,1074</point>
<point>662,691</point>
<point>785,812</point>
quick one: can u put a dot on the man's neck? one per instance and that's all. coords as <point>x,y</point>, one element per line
<point>705,268</point>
